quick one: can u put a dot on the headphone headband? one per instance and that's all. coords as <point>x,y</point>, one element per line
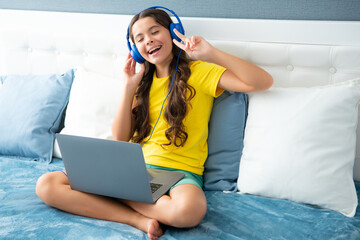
<point>173,13</point>
<point>178,26</point>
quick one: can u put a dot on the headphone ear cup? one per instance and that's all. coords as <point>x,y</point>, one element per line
<point>136,55</point>
<point>177,26</point>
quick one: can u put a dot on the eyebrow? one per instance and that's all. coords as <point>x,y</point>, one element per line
<point>150,28</point>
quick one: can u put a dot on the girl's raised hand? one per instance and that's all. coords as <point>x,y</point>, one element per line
<point>196,47</point>
<point>131,76</point>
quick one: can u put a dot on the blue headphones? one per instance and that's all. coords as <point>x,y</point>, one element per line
<point>178,26</point>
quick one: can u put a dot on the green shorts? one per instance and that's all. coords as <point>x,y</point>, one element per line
<point>189,178</point>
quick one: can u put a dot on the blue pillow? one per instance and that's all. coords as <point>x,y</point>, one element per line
<point>225,141</point>
<point>31,112</point>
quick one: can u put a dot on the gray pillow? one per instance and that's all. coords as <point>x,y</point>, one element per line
<point>225,141</point>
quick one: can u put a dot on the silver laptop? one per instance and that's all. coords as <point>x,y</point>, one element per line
<point>113,168</point>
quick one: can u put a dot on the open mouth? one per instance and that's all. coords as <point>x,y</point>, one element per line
<point>154,50</point>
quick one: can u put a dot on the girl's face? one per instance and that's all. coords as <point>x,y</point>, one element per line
<point>153,41</point>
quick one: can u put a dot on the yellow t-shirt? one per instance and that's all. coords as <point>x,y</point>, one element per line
<point>191,157</point>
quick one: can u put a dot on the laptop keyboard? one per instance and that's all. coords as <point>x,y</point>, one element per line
<point>154,187</point>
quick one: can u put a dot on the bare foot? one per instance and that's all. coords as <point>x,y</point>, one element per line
<point>154,230</point>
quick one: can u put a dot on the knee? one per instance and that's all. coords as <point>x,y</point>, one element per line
<point>187,216</point>
<point>45,187</point>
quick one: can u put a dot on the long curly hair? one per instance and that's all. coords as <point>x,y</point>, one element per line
<point>179,98</point>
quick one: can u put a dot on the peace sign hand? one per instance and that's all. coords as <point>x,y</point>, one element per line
<point>196,47</point>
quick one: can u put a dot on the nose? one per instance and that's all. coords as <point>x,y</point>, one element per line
<point>149,40</point>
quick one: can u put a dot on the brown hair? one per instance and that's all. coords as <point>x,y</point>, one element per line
<point>177,102</point>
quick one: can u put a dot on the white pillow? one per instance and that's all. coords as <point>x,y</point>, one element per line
<point>93,103</point>
<point>299,145</point>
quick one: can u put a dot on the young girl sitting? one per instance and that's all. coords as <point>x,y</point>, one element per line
<point>179,140</point>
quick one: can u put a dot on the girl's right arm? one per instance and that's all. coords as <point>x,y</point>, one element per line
<point>123,125</point>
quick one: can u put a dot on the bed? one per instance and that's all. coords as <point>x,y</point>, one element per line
<point>262,181</point>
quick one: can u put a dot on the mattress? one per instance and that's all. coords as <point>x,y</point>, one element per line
<point>230,215</point>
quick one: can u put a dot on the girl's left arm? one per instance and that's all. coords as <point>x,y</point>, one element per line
<point>240,76</point>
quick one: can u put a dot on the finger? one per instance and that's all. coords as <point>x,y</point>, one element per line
<point>192,41</point>
<point>127,64</point>
<point>142,68</point>
<point>181,36</point>
<point>185,45</point>
<point>128,56</point>
<point>179,44</point>
<point>133,65</point>
<point>128,60</point>
<point>188,47</point>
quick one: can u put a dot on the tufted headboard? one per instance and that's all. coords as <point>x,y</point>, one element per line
<point>296,53</point>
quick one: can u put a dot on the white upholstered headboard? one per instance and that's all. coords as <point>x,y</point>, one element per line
<point>296,53</point>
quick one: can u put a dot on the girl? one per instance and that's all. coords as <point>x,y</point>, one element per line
<point>179,140</point>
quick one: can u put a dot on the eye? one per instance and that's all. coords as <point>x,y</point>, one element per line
<point>155,32</point>
<point>140,40</point>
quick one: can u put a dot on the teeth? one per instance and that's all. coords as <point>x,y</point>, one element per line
<point>154,49</point>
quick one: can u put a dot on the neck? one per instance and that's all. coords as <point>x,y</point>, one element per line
<point>163,69</point>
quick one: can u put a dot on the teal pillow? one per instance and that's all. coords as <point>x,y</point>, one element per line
<point>225,141</point>
<point>31,112</point>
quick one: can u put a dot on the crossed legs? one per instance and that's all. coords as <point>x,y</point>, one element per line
<point>184,207</point>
